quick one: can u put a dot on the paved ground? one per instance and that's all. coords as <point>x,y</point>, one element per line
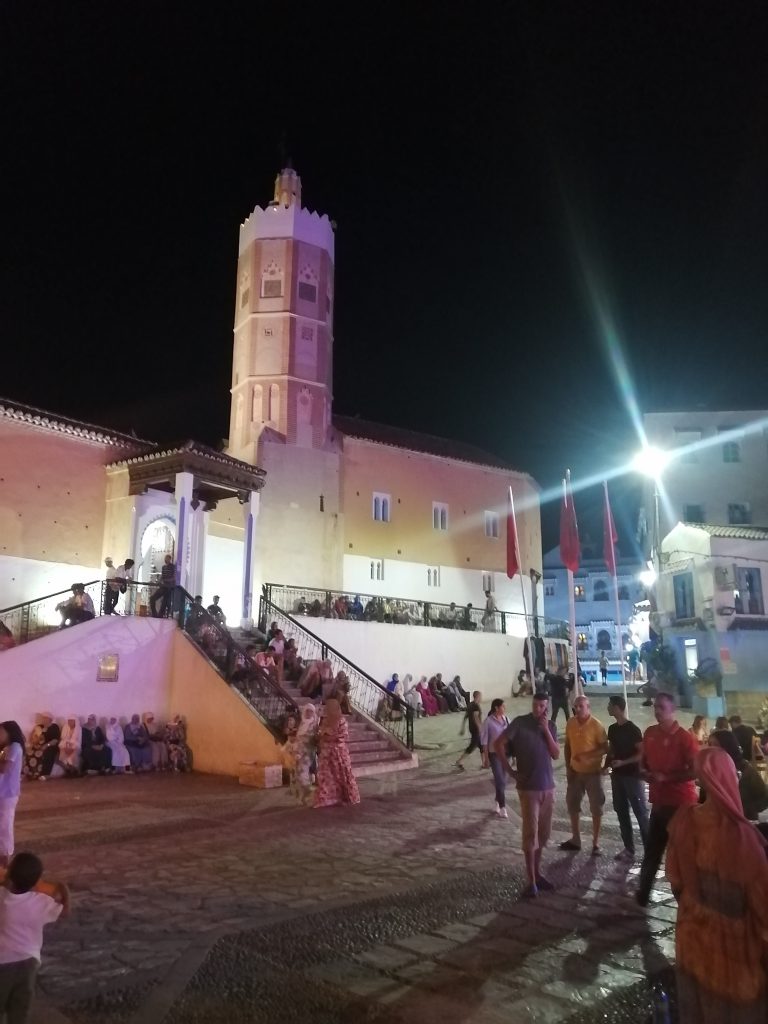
<point>199,900</point>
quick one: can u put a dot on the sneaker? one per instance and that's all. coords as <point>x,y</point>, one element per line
<point>544,884</point>
<point>502,812</point>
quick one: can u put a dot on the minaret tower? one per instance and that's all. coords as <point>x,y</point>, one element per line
<point>282,367</point>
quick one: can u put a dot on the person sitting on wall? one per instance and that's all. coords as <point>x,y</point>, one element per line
<point>195,614</point>
<point>216,612</point>
<point>369,613</point>
<point>301,606</point>
<point>451,615</point>
<point>78,608</point>
<point>316,609</point>
<point>339,608</point>
<point>356,610</point>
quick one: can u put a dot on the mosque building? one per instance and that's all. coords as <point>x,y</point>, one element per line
<point>300,497</point>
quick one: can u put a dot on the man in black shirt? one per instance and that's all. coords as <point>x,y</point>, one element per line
<point>474,717</point>
<point>745,736</point>
<point>625,743</point>
<point>559,690</point>
<point>164,593</point>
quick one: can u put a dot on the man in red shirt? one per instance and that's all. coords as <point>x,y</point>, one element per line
<point>667,764</point>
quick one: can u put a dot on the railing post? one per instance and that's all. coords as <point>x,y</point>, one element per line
<point>24,627</point>
<point>323,652</point>
<point>327,604</point>
<point>503,622</point>
<point>426,613</point>
<point>409,727</point>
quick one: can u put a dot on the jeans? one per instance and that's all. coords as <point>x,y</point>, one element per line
<point>17,985</point>
<point>499,779</point>
<point>655,845</point>
<point>557,704</point>
<point>629,792</point>
<point>165,596</point>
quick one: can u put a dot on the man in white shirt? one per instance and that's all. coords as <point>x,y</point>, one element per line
<point>26,906</point>
<point>123,573</point>
<point>110,591</point>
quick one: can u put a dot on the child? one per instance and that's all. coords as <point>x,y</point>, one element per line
<point>26,906</point>
<point>288,752</point>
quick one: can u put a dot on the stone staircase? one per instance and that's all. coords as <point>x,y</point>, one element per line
<point>373,750</point>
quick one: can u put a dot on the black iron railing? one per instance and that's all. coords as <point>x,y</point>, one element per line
<point>367,696</point>
<point>32,619</point>
<point>335,604</point>
<point>235,662</point>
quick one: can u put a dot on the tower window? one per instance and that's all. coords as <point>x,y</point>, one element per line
<point>693,513</point>
<point>307,291</point>
<point>731,451</point>
<point>488,582</point>
<point>739,514</point>
<point>380,507</point>
<point>439,515</point>
<point>377,569</point>
<point>267,332</point>
<point>433,576</point>
<point>272,288</point>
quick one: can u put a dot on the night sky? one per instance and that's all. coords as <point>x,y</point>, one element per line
<point>476,165</point>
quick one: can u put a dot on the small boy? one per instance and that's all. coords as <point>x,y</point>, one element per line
<point>26,906</point>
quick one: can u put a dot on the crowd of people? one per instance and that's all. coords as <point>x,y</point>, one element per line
<point>400,611</point>
<point>705,793</point>
<point>75,748</point>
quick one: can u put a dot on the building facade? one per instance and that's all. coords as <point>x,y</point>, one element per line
<point>718,468</point>
<point>346,504</point>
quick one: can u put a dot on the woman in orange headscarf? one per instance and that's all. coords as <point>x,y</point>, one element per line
<point>717,867</point>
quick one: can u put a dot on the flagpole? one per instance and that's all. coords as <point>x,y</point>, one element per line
<point>577,687</point>
<point>617,607</point>
<point>531,652</point>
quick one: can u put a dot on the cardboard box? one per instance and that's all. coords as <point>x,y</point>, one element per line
<point>262,776</point>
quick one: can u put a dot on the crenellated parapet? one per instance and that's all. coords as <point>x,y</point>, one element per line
<point>293,221</point>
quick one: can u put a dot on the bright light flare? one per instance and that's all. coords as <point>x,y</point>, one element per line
<point>651,461</point>
<point>647,577</point>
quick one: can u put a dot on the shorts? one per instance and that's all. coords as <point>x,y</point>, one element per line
<point>474,742</point>
<point>536,806</point>
<point>581,783</point>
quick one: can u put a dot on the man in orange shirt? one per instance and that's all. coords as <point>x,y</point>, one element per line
<point>586,744</point>
<point>667,764</point>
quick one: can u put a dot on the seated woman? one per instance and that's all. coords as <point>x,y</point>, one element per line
<point>33,749</point>
<point>434,689</point>
<point>49,750</point>
<point>292,663</point>
<point>339,690</point>
<point>137,742</point>
<point>97,757</point>
<point>156,733</point>
<point>116,742</point>
<point>70,746</point>
<point>428,699</point>
<point>314,676</point>
<point>412,696</point>
<point>752,789</point>
<point>179,753</point>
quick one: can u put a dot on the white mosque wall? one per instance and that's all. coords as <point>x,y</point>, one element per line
<point>222,575</point>
<point>485,661</point>
<point>58,673</point>
<point>24,579</point>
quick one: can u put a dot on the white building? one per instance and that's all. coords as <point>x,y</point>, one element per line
<point>720,472</point>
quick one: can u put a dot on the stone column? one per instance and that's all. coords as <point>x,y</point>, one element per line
<point>198,534</point>
<point>250,515</point>
<point>183,493</point>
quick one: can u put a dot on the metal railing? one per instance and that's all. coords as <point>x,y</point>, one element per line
<point>233,661</point>
<point>335,604</point>
<point>366,695</point>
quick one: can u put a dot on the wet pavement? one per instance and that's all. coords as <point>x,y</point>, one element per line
<point>196,899</point>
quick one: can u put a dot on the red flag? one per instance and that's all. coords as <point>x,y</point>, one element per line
<point>513,553</point>
<point>609,535</point>
<point>570,548</point>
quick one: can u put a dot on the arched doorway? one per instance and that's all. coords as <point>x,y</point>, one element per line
<point>604,640</point>
<point>157,541</point>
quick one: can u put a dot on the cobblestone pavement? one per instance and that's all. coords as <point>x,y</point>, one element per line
<point>199,900</point>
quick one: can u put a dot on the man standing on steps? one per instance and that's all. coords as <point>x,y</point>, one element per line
<point>585,746</point>
<point>164,592</point>
<point>625,745</point>
<point>532,741</point>
<point>667,763</point>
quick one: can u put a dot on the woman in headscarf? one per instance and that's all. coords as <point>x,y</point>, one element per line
<point>752,790</point>
<point>412,696</point>
<point>717,867</point>
<point>33,751</point>
<point>428,700</point>
<point>340,692</point>
<point>336,782</point>
<point>139,749</point>
<point>156,733</point>
<point>70,746</point>
<point>97,757</point>
<point>11,761</point>
<point>50,752</point>
<point>116,742</point>
<point>176,741</point>
<point>305,750</point>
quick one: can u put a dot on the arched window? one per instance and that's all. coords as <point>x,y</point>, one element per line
<point>274,404</point>
<point>604,640</point>
<point>257,414</point>
<point>377,509</point>
<point>600,592</point>
<point>623,592</point>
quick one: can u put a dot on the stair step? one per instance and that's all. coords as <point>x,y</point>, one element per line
<point>375,756</point>
<point>361,746</point>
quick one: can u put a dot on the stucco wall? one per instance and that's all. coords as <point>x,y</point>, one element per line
<point>485,661</point>
<point>58,673</point>
<point>414,481</point>
<point>222,731</point>
<point>52,491</point>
